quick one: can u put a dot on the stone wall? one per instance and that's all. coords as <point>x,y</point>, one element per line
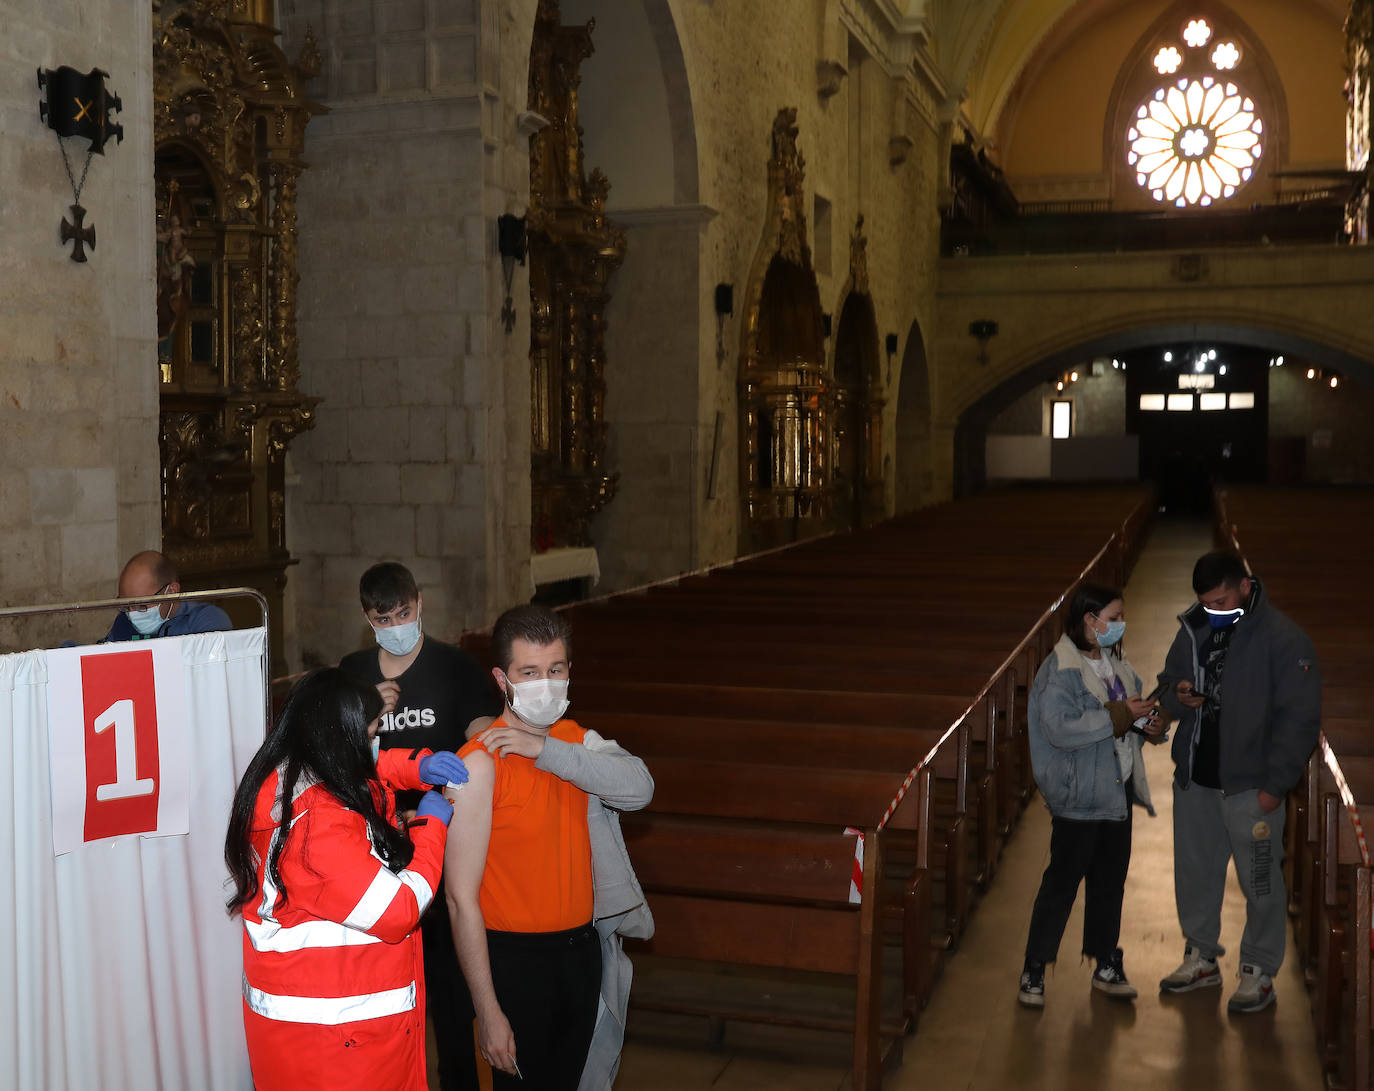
<point>1099,405</point>
<point>399,291</point>
<point>742,64</point>
<point>1333,425</point>
<point>78,363</point>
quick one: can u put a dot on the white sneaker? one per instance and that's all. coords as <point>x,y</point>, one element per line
<point>1255,991</point>
<point>1195,972</point>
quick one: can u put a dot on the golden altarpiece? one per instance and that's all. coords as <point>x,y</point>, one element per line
<point>573,251</point>
<point>229,128</point>
<point>810,437</point>
<point>1359,116</point>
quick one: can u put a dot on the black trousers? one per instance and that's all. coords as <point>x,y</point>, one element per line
<point>448,1001</point>
<point>1099,854</point>
<point>548,984</point>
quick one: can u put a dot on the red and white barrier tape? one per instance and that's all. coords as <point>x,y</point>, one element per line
<point>897,799</point>
<point>856,877</point>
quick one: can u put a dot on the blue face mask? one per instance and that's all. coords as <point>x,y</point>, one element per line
<point>399,639</point>
<point>1115,631</point>
<point>376,749</point>
<point>146,621</point>
<point>1224,619</point>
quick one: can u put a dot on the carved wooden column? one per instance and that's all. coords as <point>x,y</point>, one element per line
<point>574,250</point>
<point>1359,118</point>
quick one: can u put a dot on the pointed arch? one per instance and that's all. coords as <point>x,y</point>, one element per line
<point>913,479</point>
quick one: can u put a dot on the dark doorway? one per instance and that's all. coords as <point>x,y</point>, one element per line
<point>1201,411</point>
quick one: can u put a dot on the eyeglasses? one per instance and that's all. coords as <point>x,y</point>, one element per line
<point>134,607</point>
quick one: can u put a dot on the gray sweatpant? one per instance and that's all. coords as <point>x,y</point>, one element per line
<point>1209,829</point>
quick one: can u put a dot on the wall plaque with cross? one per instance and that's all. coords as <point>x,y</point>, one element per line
<point>78,234</point>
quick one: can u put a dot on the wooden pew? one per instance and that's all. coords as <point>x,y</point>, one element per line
<point>756,895</point>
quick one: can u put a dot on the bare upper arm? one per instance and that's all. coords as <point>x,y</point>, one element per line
<point>465,853</point>
<point>477,725</point>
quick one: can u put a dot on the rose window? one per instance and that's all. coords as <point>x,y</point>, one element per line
<point>1198,139</point>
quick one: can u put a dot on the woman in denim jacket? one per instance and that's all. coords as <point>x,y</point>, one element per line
<point>1088,766</point>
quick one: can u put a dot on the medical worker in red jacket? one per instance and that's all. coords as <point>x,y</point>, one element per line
<point>331,891</point>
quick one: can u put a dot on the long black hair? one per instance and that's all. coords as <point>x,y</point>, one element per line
<point>321,734</point>
<point>1090,598</point>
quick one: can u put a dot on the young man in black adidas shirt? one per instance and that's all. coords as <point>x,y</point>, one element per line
<point>434,694</point>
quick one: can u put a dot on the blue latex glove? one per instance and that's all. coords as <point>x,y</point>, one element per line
<point>443,767</point>
<point>434,805</point>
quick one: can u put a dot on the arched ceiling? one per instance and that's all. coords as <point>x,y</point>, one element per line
<point>982,46</point>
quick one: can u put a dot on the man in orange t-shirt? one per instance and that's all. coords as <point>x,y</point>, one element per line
<point>518,868</point>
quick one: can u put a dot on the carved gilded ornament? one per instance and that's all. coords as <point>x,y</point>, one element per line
<point>858,258</point>
<point>785,390</point>
<point>229,121</point>
<point>574,250</point>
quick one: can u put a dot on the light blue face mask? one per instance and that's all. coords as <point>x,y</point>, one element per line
<point>146,621</point>
<point>376,749</point>
<point>399,639</point>
<point>1115,631</point>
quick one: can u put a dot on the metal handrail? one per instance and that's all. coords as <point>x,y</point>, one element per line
<point>180,596</point>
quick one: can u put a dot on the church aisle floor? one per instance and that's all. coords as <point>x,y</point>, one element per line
<point>976,1037</point>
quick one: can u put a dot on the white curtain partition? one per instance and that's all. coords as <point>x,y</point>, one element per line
<point>121,968</point>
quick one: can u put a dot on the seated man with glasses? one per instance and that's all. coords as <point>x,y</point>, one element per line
<point>148,574</point>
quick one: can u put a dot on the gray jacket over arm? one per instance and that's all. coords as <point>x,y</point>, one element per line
<point>614,780</point>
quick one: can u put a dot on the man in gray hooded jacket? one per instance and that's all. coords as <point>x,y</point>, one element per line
<point>1243,680</point>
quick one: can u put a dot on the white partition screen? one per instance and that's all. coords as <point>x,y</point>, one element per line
<point>121,969</point>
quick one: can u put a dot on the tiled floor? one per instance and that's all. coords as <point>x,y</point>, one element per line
<point>975,1036</point>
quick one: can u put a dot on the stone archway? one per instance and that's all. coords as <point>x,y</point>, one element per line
<point>1262,332</point>
<point>856,462</point>
<point>913,480</point>
<point>635,103</point>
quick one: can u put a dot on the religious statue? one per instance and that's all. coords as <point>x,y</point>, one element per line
<point>175,266</point>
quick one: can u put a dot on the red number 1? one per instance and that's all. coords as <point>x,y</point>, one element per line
<point>119,701</point>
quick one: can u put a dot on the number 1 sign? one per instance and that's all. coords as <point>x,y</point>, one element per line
<point>117,723</point>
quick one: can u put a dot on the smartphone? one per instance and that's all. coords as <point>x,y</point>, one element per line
<point>1153,696</point>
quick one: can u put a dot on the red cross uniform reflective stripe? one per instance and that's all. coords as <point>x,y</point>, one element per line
<point>337,961</point>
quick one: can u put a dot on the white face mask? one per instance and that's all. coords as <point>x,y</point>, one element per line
<point>540,703</point>
<point>399,639</point>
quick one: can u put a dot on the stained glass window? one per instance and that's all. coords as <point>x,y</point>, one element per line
<point>1198,138</point>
